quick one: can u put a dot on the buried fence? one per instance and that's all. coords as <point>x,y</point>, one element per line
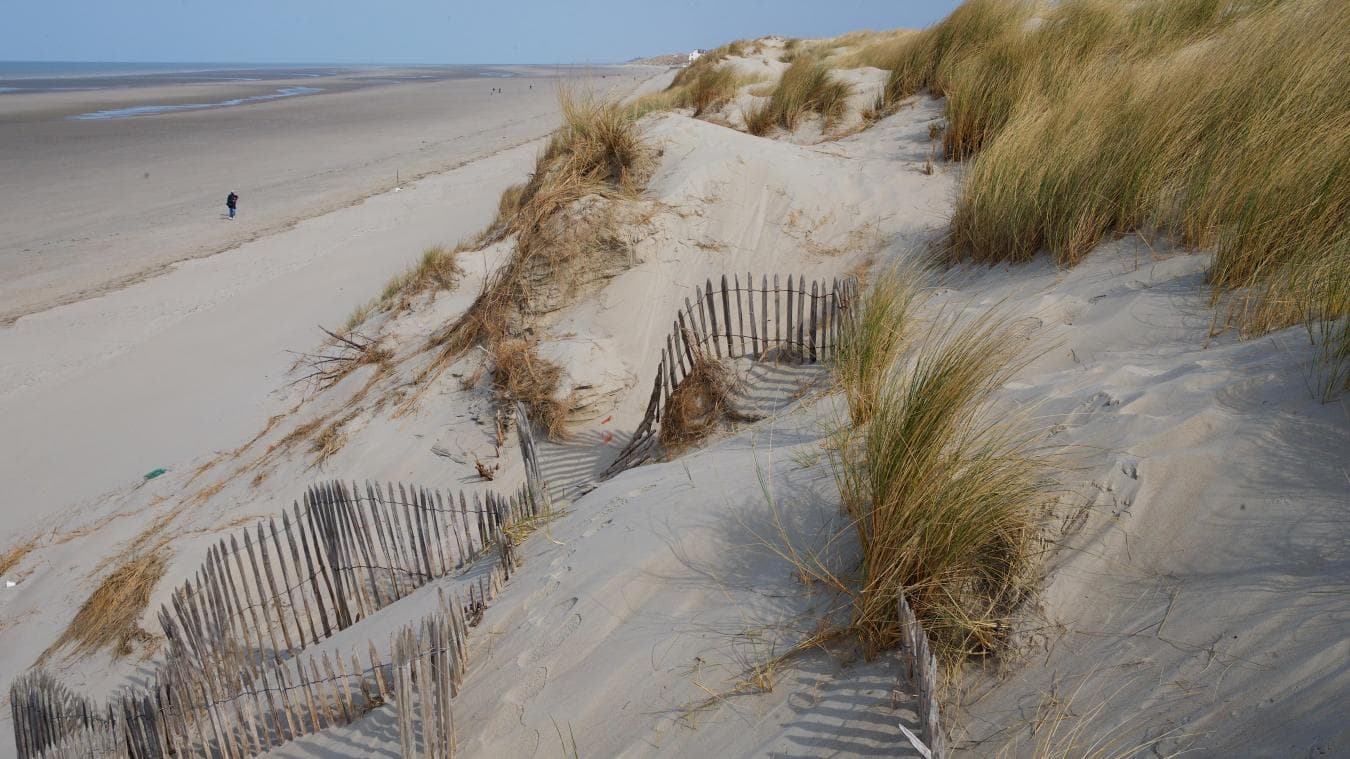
<point>346,555</point>
<point>264,706</point>
<point>234,682</point>
<point>921,669</point>
<point>804,326</point>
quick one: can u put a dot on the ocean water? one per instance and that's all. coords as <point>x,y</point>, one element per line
<point>47,76</point>
<point>147,110</point>
<point>21,77</point>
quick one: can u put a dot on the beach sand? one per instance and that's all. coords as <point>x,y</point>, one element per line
<point>92,205</point>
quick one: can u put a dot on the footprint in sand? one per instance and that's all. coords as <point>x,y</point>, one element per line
<point>558,624</point>
<point>1117,491</point>
<point>1084,412</point>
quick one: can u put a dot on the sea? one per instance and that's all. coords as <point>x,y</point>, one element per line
<point>23,77</point>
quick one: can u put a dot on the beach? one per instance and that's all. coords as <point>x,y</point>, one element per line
<point>153,318</point>
<point>91,205</point>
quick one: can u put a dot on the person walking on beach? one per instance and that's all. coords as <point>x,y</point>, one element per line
<point>231,201</point>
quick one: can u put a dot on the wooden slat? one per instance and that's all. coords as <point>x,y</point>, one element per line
<point>712,317</point>
<point>276,595</point>
<point>740,311</point>
<point>777,315</point>
<point>313,574</point>
<point>801,297</point>
<point>754,332</point>
<point>452,525</point>
<point>726,314</point>
<point>814,322</point>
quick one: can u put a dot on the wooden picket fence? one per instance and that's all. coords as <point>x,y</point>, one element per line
<point>808,330</point>
<point>921,669</point>
<point>345,555</point>
<point>234,681</point>
<point>241,707</point>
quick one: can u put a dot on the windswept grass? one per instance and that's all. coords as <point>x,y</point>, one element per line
<point>945,495</point>
<point>807,86</point>
<point>112,614</point>
<point>874,340</point>
<point>922,60</point>
<point>875,49</point>
<point>437,269</point>
<point>1240,144</point>
<point>710,90</point>
<point>15,555</point>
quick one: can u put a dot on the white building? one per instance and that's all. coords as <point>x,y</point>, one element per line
<point>695,55</point>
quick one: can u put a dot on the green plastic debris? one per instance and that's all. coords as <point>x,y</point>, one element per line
<point>155,473</point>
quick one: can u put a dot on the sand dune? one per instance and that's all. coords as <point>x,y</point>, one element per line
<point>1191,595</point>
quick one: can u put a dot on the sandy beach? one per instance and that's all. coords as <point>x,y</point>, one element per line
<point>93,205</point>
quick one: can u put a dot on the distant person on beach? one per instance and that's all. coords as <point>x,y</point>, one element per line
<point>231,201</point>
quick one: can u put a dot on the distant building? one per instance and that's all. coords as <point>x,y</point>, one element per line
<point>695,55</point>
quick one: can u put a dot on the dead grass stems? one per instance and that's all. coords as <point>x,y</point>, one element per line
<point>110,617</point>
<point>700,404</point>
<point>15,555</point>
<point>596,153</point>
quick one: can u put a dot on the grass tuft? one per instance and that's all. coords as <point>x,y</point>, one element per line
<point>563,218</point>
<point>438,269</point>
<point>14,556</point>
<point>699,404</point>
<point>807,86</point>
<point>519,374</point>
<point>874,340</point>
<point>945,497</point>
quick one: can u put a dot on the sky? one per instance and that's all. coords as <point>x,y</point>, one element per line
<point>422,31</point>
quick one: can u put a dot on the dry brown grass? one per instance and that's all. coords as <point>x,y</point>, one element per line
<point>111,616</point>
<point>700,404</point>
<point>331,439</point>
<point>519,374</point>
<point>12,557</point>
<point>596,156</point>
<point>807,86</point>
<point>437,269</point>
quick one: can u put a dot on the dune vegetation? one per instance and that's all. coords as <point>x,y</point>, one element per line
<point>1224,126</point>
<point>807,86</point>
<point>945,495</point>
<point>597,153</point>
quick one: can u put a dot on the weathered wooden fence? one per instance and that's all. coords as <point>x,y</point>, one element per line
<point>234,681</point>
<point>243,707</point>
<point>348,552</point>
<point>807,330</point>
<point>921,669</point>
